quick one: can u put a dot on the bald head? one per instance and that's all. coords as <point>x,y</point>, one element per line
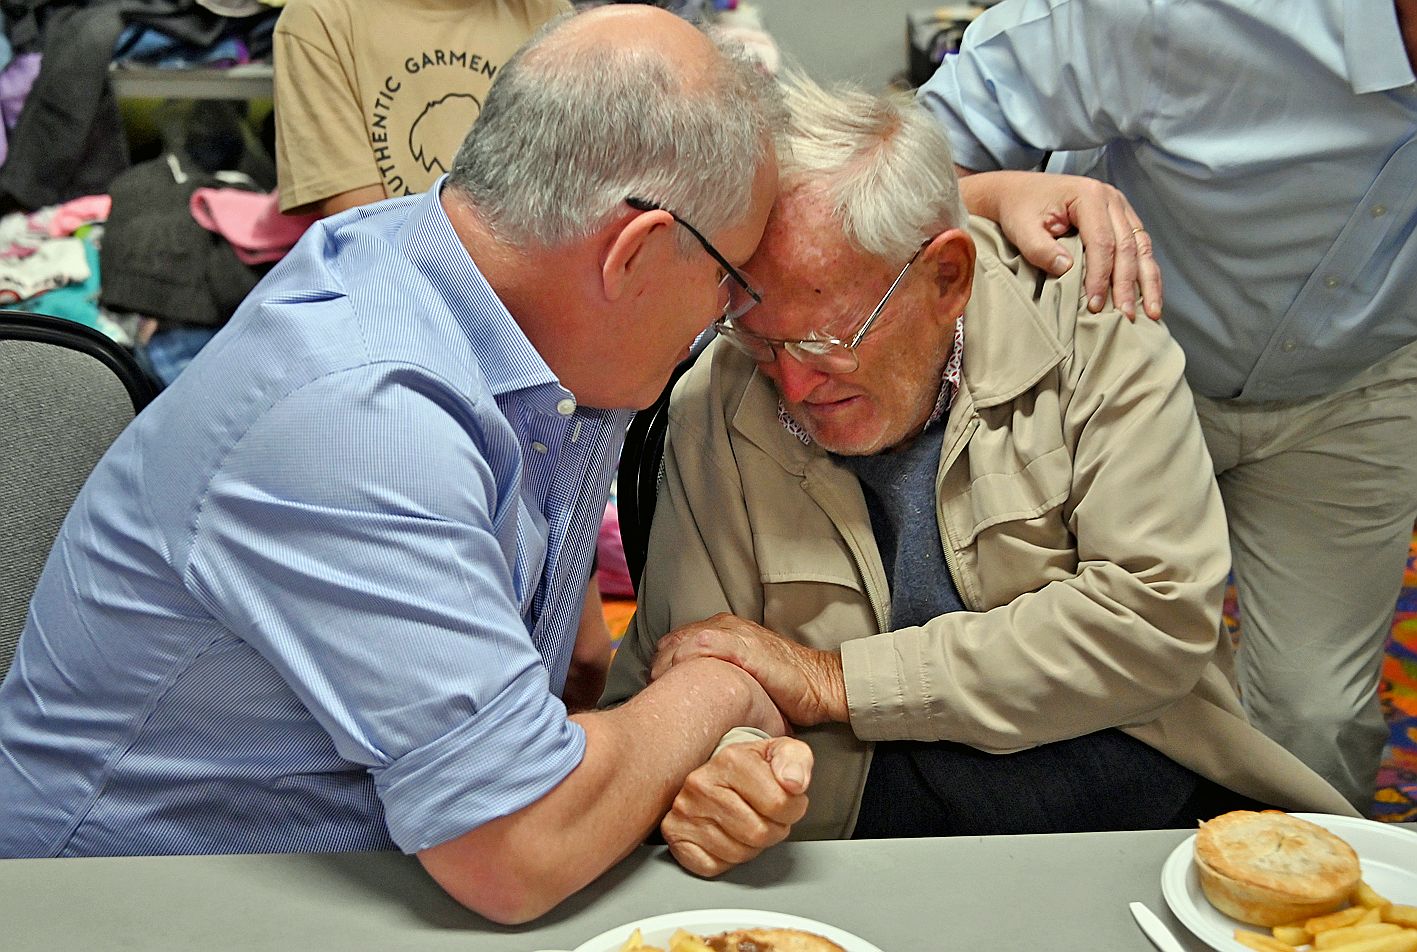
<point>648,35</point>
<point>619,101</point>
<point>627,27</point>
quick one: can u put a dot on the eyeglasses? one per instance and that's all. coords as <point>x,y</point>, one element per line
<point>742,296</point>
<point>821,352</point>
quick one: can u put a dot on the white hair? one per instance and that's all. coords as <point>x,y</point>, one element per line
<point>570,130</point>
<point>883,163</point>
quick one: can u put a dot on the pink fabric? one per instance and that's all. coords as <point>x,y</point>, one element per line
<point>73,215</point>
<point>250,221</point>
<point>16,80</point>
<point>611,570</point>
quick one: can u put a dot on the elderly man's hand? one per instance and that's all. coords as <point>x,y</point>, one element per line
<point>805,683</point>
<point>1036,209</point>
<point>742,801</point>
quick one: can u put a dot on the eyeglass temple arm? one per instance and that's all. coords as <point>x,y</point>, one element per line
<point>856,338</point>
<point>644,205</point>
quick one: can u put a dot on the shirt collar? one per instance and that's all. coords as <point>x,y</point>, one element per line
<point>1372,47</point>
<point>505,356</point>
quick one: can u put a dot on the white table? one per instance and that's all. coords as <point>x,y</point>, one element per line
<point>990,894</point>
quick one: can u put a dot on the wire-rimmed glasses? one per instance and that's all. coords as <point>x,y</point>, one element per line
<point>821,351</point>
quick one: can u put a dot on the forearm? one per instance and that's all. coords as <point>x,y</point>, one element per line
<point>1072,658</point>
<point>344,201</point>
<point>976,193</point>
<point>985,193</point>
<point>637,756</point>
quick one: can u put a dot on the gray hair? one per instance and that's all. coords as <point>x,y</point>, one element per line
<point>570,130</point>
<point>883,163</point>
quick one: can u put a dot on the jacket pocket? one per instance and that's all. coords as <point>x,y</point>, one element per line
<point>813,595</point>
<point>790,559</point>
<point>1020,495</point>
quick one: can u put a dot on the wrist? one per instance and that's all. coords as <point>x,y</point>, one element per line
<point>732,693</point>
<point>833,688</point>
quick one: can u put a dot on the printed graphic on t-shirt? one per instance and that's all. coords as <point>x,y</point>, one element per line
<point>423,112</point>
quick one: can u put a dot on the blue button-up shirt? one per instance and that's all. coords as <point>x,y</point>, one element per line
<point>1268,145</point>
<point>321,595</point>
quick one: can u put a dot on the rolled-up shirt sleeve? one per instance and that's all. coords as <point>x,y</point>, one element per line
<point>1033,77</point>
<point>372,567</point>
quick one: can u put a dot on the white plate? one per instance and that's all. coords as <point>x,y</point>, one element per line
<point>657,930</point>
<point>1388,855</point>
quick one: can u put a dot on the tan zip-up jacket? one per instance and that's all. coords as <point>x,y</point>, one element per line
<point>1079,518</point>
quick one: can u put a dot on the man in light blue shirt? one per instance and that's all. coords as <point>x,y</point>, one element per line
<point>322,594</point>
<point>1270,149</point>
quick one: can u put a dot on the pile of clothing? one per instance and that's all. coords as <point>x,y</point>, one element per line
<point>49,262</point>
<point>161,259</point>
<point>159,254</point>
<point>64,136</point>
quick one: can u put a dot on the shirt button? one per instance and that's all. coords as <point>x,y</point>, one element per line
<point>539,446</point>
<point>1288,345</point>
<point>1378,211</point>
<point>1330,282</point>
<point>566,407</point>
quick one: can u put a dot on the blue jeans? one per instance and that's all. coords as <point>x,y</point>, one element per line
<point>171,349</point>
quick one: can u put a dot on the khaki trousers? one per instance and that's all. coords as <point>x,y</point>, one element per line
<point>1321,495</point>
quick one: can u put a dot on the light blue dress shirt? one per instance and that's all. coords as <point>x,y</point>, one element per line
<point>322,594</point>
<point>1267,144</point>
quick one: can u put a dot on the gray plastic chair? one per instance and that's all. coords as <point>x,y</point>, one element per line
<point>68,391</point>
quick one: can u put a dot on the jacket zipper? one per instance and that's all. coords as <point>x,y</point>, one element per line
<point>963,586</point>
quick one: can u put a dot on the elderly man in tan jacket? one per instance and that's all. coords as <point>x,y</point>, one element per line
<point>968,539</point>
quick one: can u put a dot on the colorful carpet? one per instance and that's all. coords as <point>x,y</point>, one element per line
<point>1396,796</point>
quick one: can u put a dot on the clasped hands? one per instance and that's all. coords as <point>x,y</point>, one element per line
<point>748,795</point>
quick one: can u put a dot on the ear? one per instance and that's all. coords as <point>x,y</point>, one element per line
<point>951,253</point>
<point>628,249</point>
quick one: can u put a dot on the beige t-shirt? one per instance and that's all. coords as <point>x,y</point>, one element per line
<point>382,92</point>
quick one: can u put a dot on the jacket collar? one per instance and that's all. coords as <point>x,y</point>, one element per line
<point>1012,343</point>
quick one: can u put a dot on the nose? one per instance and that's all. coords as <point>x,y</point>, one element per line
<point>794,379</point>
